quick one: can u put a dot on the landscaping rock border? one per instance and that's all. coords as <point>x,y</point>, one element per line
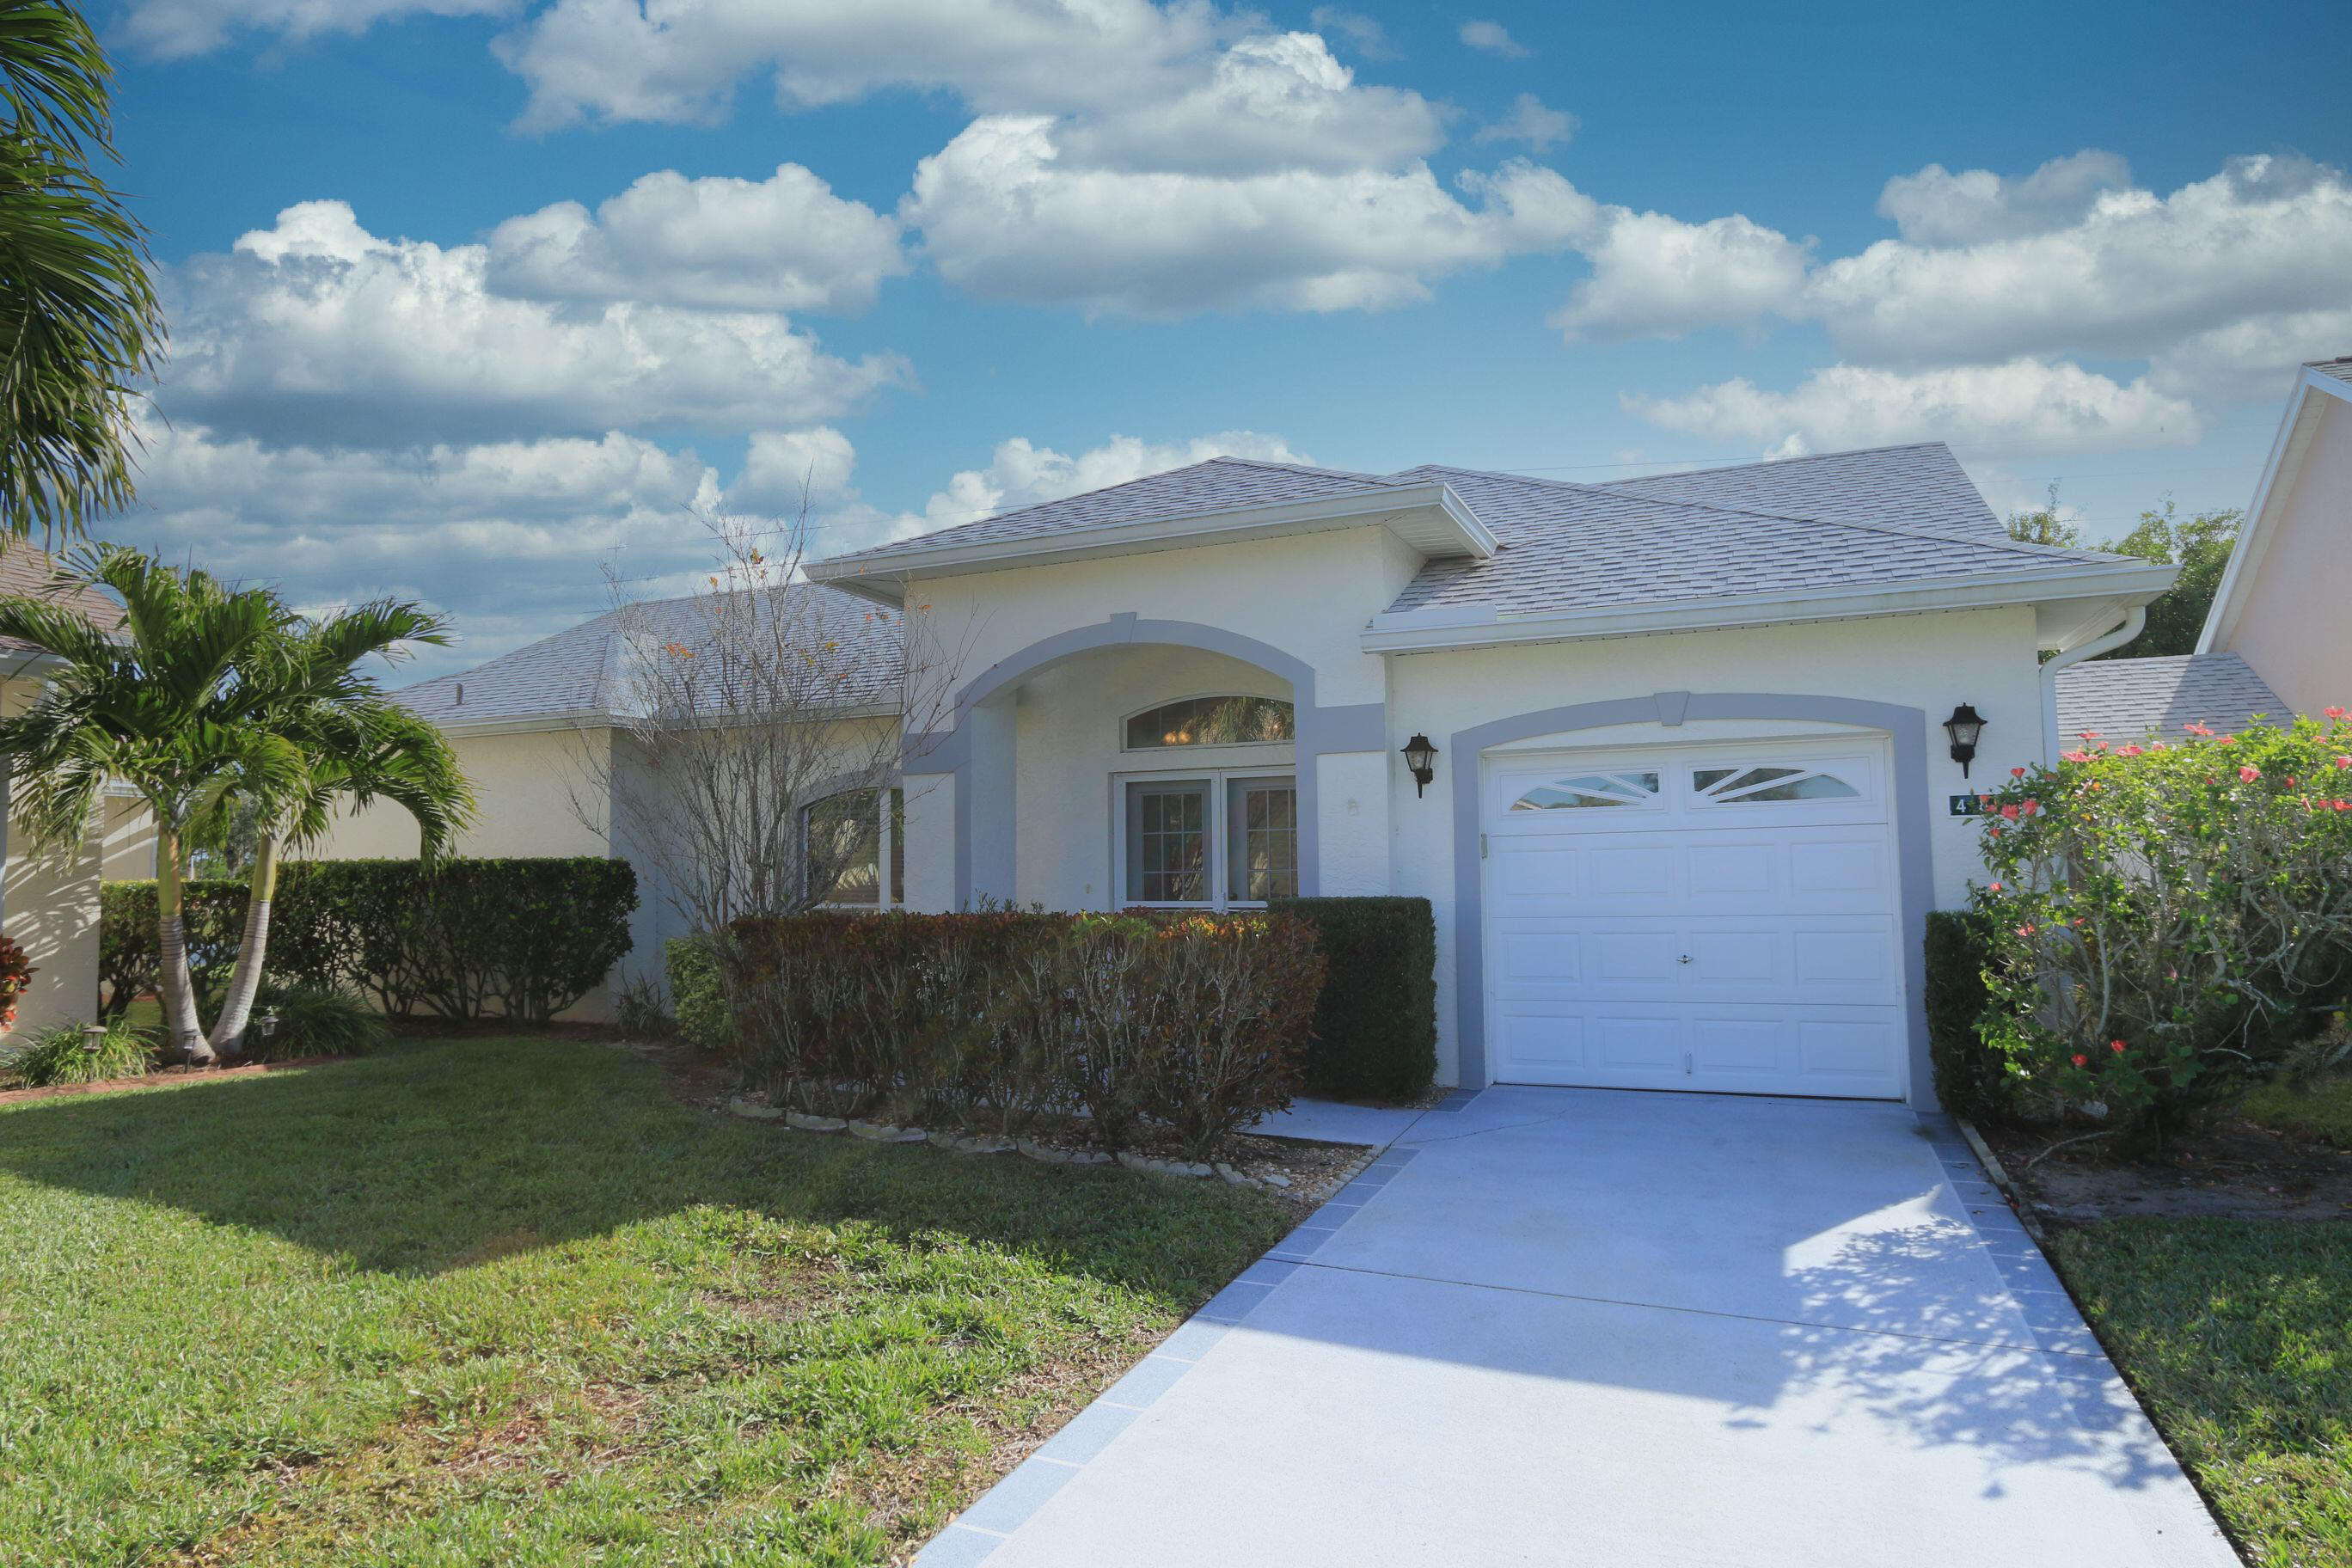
<point>753,1109</point>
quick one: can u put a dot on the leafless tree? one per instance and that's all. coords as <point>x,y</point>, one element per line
<point>759,725</point>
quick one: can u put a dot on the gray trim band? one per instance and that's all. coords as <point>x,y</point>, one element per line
<point>1907,728</point>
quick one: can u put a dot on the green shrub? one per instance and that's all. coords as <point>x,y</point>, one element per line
<point>470,939</point>
<point>2170,919</point>
<point>1375,1030</point>
<point>59,1054</point>
<point>698,1003</point>
<point>314,1021</point>
<point>988,1021</point>
<point>1972,1076</point>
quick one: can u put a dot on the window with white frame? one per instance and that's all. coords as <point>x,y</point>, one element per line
<point>1213,839</point>
<point>848,841</point>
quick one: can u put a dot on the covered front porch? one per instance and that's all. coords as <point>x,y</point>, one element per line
<point>1142,762</point>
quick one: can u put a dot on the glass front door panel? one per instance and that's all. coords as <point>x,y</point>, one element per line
<point>1262,839</point>
<point>1168,842</point>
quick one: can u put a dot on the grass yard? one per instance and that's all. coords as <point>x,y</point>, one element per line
<point>2238,1335</point>
<point>505,1301</point>
<point>2323,1111</point>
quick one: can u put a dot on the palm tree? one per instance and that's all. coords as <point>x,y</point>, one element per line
<point>80,324</point>
<point>205,698</point>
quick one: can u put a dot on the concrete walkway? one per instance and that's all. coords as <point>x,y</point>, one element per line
<point>1576,1327</point>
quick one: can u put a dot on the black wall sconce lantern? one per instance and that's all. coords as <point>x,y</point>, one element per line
<point>1421,760</point>
<point>1964,727</point>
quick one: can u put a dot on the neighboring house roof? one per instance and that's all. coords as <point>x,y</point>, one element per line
<point>28,569</point>
<point>2318,386</point>
<point>2128,699</point>
<point>584,674</point>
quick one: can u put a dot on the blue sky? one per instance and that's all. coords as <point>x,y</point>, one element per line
<point>474,301</point>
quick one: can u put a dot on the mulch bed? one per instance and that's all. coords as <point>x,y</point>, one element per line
<point>2226,1168</point>
<point>164,1077</point>
<point>1315,1169</point>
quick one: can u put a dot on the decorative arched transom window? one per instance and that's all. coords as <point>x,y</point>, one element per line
<point>1589,790</point>
<point>1767,785</point>
<point>1212,722</point>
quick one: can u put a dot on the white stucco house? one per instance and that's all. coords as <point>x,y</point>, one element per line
<point>1692,795</point>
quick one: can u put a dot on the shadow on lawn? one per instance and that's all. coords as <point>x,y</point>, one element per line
<point>443,1156</point>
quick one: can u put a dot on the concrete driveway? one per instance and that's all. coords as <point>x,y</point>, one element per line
<point>1563,1326</point>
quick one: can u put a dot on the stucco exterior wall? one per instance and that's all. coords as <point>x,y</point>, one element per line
<point>126,842</point>
<point>1308,595</point>
<point>1930,662</point>
<point>526,786</point>
<point>2295,627</point>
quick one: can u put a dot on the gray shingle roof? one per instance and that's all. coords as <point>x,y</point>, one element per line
<point>2126,699</point>
<point>1571,546</point>
<point>1218,484</point>
<point>1920,485</point>
<point>584,670</point>
<point>2341,368</point>
<point>1842,518</point>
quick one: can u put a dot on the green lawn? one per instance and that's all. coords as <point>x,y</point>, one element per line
<point>2323,1111</point>
<point>505,1301</point>
<point>2238,1336</point>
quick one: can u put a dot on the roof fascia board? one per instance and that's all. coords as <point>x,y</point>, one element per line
<point>596,719</point>
<point>2297,430</point>
<point>1424,632</point>
<point>1464,530</point>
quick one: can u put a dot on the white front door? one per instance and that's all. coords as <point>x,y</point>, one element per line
<point>1695,917</point>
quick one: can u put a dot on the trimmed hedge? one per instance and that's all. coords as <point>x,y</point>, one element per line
<point>1375,1030</point>
<point>521,937</point>
<point>698,1001</point>
<point>1971,1075</point>
<point>991,1021</point>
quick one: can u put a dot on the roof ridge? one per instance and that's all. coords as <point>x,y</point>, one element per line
<point>1780,462</point>
<point>1315,468</point>
<point>1932,535</point>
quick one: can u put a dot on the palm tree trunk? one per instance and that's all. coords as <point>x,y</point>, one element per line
<point>245,980</point>
<point>183,1029</point>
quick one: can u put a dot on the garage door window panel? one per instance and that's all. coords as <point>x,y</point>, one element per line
<point>1588,791</point>
<point>1768,785</point>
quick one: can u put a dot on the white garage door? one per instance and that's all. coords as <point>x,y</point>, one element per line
<point>1703,917</point>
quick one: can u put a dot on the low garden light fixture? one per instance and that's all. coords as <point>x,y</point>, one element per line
<point>1965,726</point>
<point>93,1037</point>
<point>1421,760</point>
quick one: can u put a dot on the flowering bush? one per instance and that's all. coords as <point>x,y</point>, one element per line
<point>16,974</point>
<point>2168,916</point>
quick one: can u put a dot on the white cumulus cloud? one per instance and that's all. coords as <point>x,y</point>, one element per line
<point>1936,206</point>
<point>1495,39</point>
<point>2018,406</point>
<point>785,243</point>
<point>1529,122</point>
<point>1655,276</point>
<point>1002,215</point>
<point>316,330</point>
<point>170,29</point>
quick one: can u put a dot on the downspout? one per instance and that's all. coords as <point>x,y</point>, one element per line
<point>2135,622</point>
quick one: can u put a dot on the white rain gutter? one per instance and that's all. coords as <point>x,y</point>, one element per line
<point>2135,622</point>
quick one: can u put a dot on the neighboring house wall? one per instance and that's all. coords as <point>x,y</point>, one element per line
<point>126,839</point>
<point>51,909</point>
<point>2291,620</point>
<point>537,794</point>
